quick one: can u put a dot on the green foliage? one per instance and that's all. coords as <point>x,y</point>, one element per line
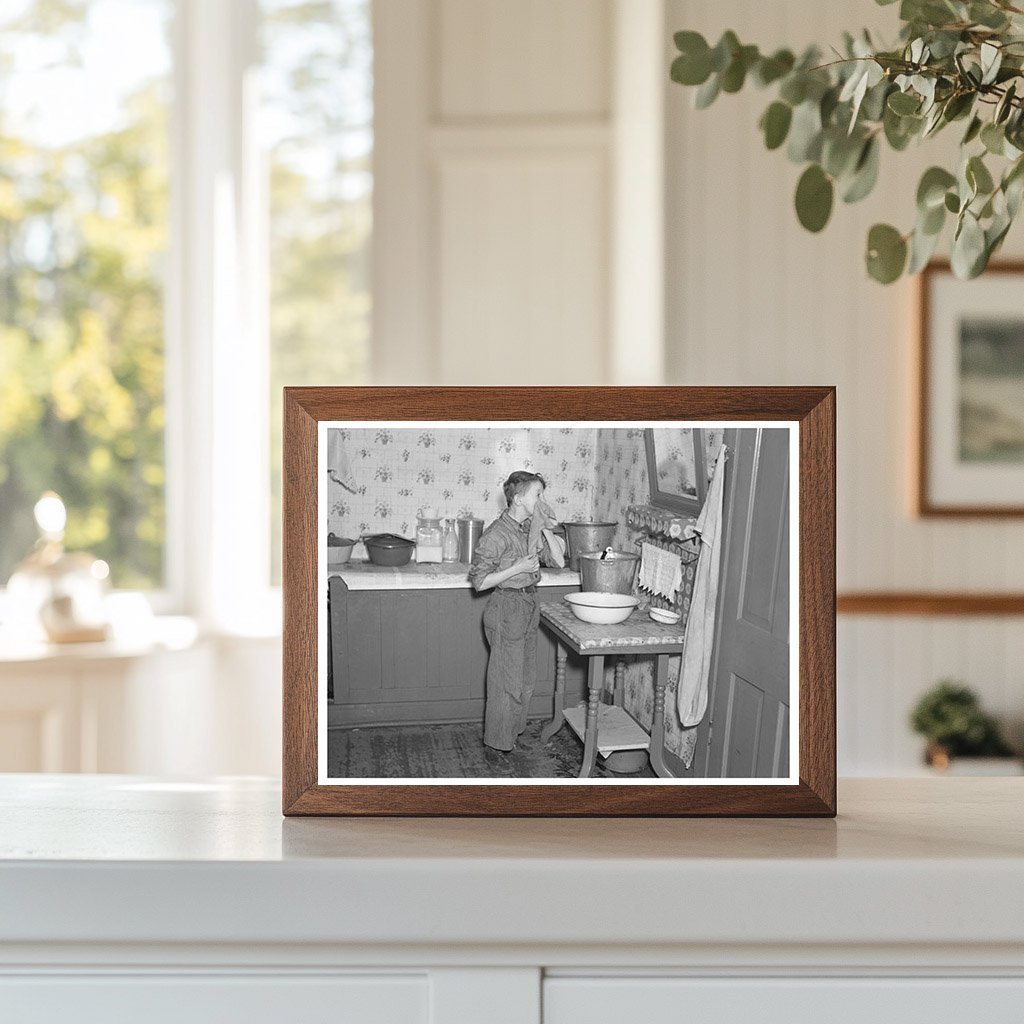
<point>82,231</point>
<point>956,60</point>
<point>949,716</point>
<point>82,243</point>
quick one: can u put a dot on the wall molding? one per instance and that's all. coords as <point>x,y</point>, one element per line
<point>928,603</point>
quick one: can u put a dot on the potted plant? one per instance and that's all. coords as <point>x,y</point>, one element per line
<point>956,61</point>
<point>950,717</point>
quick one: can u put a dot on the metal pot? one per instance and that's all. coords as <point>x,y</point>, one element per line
<point>339,549</point>
<point>389,549</point>
<point>608,573</point>
<point>580,537</point>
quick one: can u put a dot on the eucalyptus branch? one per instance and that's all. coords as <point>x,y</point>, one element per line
<point>834,116</point>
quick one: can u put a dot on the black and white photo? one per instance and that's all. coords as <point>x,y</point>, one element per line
<point>540,601</point>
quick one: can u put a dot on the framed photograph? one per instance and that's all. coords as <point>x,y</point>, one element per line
<point>970,444</point>
<point>559,601</point>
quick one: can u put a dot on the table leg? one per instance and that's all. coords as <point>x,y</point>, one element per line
<point>658,726</point>
<point>619,699</point>
<point>558,718</point>
<point>595,684</point>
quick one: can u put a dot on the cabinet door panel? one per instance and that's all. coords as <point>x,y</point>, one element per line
<point>783,1000</point>
<point>217,1000</point>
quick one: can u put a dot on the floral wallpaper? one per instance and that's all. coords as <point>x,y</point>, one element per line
<point>457,470</point>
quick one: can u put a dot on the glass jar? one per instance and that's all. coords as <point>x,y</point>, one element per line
<point>429,540</point>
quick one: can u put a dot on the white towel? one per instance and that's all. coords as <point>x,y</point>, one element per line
<point>339,467</point>
<point>700,624</point>
<point>661,571</point>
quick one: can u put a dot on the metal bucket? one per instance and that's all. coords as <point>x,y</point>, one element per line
<point>580,537</point>
<point>612,574</point>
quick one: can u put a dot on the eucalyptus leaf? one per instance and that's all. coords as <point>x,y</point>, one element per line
<point>987,15</point>
<point>771,69</point>
<point>814,194</point>
<point>1014,191</point>
<point>958,105</point>
<point>952,202</point>
<point>932,221</point>
<point>900,130</point>
<point>865,174</point>
<point>993,138</point>
<point>978,176</point>
<point>725,49</point>
<point>904,103</point>
<point>922,248</point>
<point>968,247</point>
<point>931,190</point>
<point>775,124</point>
<point>840,152</point>
<point>735,74</point>
<point>886,253</point>
<point>707,93</point>
<point>973,129</point>
<point>873,106</point>
<point>933,122</point>
<point>1004,106</point>
<point>805,133</point>
<point>991,61</point>
<point>794,88</point>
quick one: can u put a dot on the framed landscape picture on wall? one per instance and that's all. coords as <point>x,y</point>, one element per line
<point>970,444</point>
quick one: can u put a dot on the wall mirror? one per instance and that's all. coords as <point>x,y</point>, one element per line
<point>675,468</point>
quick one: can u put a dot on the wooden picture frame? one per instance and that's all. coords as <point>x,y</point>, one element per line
<point>959,469</point>
<point>807,413</point>
<point>665,497</point>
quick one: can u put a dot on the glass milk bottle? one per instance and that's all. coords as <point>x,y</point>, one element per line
<point>450,544</point>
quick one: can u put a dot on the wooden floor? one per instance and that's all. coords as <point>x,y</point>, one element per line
<point>454,752</point>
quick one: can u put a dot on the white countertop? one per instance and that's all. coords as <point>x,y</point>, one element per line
<point>122,859</point>
<point>429,576</point>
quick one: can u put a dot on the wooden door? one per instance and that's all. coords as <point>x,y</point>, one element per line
<point>748,726</point>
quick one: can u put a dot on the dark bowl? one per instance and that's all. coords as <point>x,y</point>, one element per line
<point>389,549</point>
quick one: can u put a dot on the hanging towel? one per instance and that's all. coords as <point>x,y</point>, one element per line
<point>556,549</point>
<point>700,625</point>
<point>661,571</point>
<point>339,468</point>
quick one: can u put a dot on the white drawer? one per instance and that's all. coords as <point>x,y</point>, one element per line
<point>202,999</point>
<point>620,1000</point>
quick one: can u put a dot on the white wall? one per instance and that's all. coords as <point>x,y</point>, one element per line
<point>752,298</point>
<point>512,152</point>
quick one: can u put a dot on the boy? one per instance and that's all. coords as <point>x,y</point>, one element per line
<point>507,560</point>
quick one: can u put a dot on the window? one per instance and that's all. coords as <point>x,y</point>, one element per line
<point>83,237</point>
<point>185,222</point>
<point>317,121</point>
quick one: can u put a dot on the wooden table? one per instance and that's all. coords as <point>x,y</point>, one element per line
<point>639,634</point>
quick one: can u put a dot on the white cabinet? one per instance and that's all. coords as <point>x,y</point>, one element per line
<point>202,999</point>
<point>824,1000</point>
<point>144,899</point>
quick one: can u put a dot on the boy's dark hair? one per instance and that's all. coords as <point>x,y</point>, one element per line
<point>518,482</point>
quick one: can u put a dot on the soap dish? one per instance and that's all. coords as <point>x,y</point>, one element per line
<point>664,616</point>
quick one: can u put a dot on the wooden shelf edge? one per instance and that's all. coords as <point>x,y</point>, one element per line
<point>928,603</point>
